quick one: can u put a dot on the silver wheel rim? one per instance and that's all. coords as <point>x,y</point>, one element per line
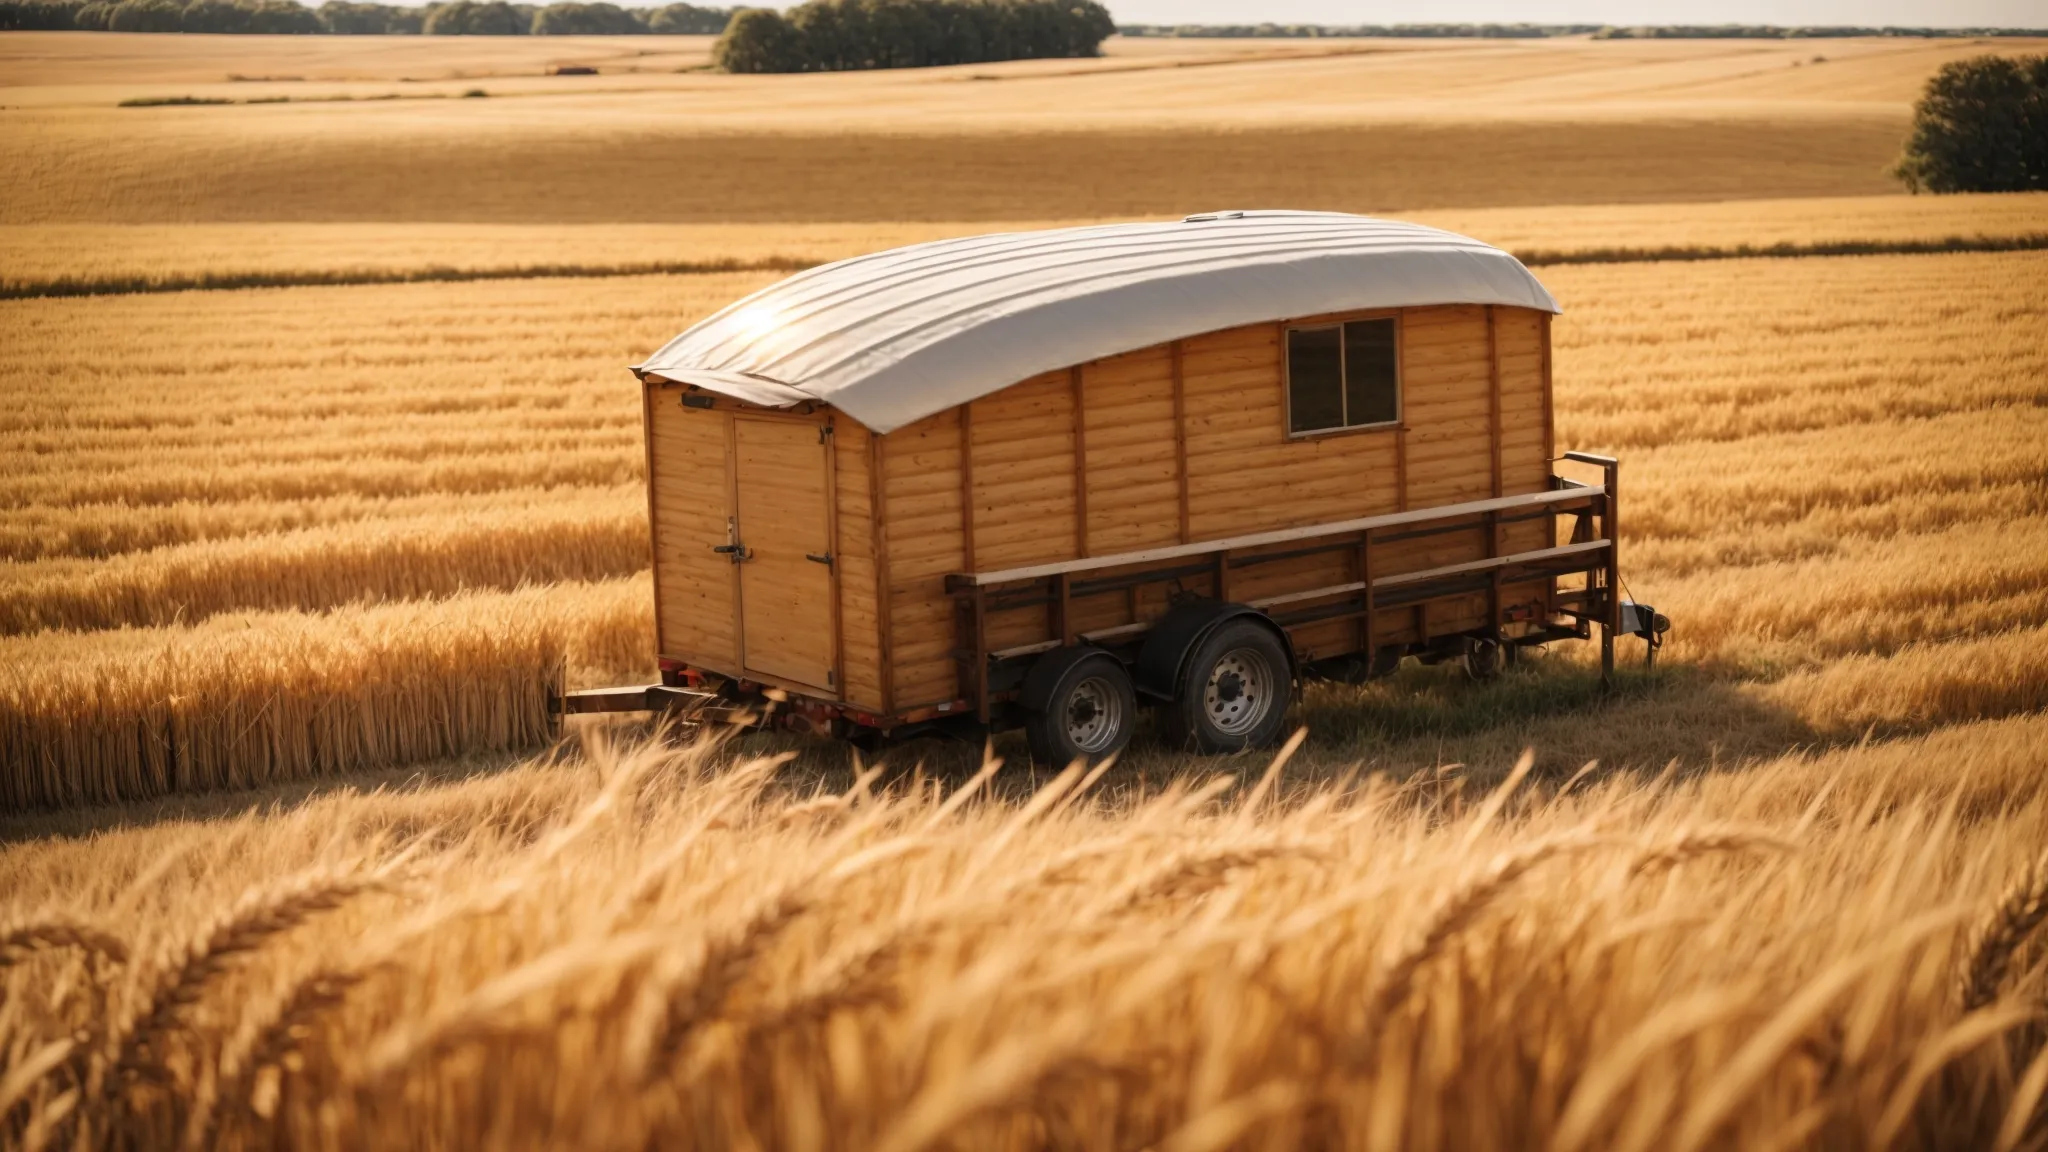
<point>1239,692</point>
<point>1094,715</point>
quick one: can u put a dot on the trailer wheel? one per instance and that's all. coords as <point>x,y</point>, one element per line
<point>1087,712</point>
<point>1236,691</point>
<point>1484,660</point>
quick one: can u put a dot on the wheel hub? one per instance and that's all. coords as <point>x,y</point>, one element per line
<point>1094,715</point>
<point>1239,691</point>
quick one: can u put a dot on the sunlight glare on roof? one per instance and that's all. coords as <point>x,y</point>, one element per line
<point>758,322</point>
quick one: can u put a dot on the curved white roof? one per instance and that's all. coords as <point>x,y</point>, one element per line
<point>896,336</point>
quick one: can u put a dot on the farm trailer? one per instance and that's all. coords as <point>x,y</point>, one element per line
<point>1039,479</point>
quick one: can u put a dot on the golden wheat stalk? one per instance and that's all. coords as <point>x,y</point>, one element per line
<point>490,1012</point>
<point>1199,870</point>
<point>25,939</point>
<point>1457,911</point>
<point>677,1003</point>
<point>267,1039</point>
<point>1697,842</point>
<point>2001,934</point>
<point>135,1045</point>
<point>861,975</point>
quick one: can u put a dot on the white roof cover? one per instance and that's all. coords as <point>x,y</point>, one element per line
<point>896,336</point>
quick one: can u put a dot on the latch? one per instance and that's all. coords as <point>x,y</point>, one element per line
<point>732,546</point>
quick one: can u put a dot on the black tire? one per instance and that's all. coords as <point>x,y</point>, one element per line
<point>1089,714</point>
<point>1235,692</point>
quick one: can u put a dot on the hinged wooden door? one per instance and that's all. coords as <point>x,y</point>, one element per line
<point>696,586</point>
<point>785,525</point>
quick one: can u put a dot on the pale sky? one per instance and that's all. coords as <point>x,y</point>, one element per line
<point>1912,13</point>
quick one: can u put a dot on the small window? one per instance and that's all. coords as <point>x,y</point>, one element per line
<point>1342,376</point>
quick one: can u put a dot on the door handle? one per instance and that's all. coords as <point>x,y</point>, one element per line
<point>819,557</point>
<point>738,552</point>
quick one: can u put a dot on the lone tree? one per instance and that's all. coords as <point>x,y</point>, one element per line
<point>1981,126</point>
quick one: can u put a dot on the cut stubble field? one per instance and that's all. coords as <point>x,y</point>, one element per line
<point>287,571</point>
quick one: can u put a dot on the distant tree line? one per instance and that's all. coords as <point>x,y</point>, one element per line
<point>848,35</point>
<point>1772,32</point>
<point>1320,31</point>
<point>1981,125</point>
<point>1538,31</point>
<point>359,18</point>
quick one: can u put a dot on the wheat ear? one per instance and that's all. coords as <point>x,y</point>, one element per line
<point>1456,912</point>
<point>861,976</point>
<point>684,1000</point>
<point>179,981</point>
<point>23,940</point>
<point>1199,870</point>
<point>1705,842</point>
<point>2002,933</point>
<point>269,1040</point>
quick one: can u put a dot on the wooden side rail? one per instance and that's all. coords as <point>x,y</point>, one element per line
<point>961,582</point>
<point>1055,586</point>
<point>1470,568</point>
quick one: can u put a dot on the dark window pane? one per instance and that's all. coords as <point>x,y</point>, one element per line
<point>1315,388</point>
<point>1371,392</point>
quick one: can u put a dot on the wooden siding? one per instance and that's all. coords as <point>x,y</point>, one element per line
<point>1446,370</point>
<point>691,499</point>
<point>1097,462</point>
<point>1133,470</point>
<point>854,557</point>
<point>922,527</point>
<point>1023,474</point>
<point>1523,429</point>
<point>1244,474</point>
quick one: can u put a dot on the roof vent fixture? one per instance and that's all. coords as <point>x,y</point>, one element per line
<point>1198,217</point>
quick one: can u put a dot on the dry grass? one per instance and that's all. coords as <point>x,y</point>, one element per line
<point>652,947</point>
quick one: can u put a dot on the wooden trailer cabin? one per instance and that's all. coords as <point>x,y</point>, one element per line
<point>1044,479</point>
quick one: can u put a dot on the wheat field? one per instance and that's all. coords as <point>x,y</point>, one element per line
<point>1173,129</point>
<point>107,259</point>
<point>322,468</point>
<point>1829,482</point>
<point>657,946</point>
